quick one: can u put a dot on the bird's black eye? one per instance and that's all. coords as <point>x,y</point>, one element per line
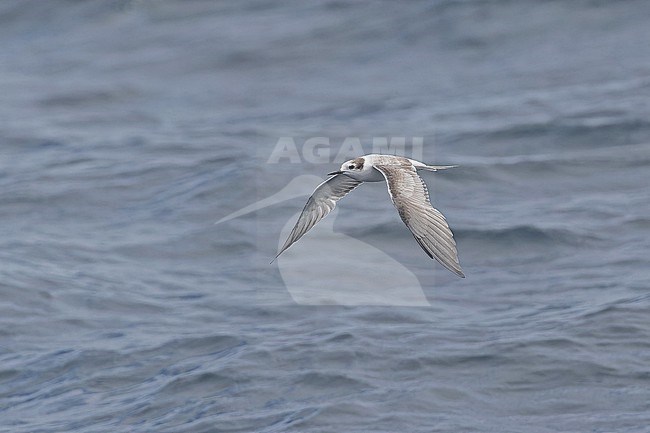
<point>350,167</point>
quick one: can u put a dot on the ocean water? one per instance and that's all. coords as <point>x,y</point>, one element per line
<point>127,128</point>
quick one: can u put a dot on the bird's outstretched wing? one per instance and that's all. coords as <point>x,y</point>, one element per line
<point>429,227</point>
<point>321,203</point>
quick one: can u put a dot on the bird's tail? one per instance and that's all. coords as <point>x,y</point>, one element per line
<point>434,167</point>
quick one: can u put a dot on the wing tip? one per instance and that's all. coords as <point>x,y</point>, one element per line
<point>455,268</point>
<point>284,248</point>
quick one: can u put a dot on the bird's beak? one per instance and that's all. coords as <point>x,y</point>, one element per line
<point>335,172</point>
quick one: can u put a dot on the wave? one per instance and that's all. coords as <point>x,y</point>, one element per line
<point>514,238</point>
<point>528,234</point>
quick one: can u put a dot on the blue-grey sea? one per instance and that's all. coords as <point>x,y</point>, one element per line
<point>128,128</point>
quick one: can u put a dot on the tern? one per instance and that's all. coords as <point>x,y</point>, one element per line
<point>408,192</point>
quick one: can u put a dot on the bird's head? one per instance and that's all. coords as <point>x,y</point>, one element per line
<point>350,167</point>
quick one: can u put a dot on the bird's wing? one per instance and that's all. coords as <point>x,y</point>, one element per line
<point>321,203</point>
<point>429,227</point>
